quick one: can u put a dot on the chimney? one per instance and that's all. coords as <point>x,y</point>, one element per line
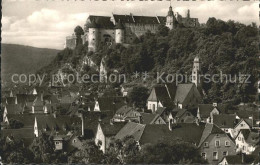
<point>82,124</point>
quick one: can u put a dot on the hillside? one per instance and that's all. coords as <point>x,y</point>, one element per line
<point>24,59</point>
<point>227,47</point>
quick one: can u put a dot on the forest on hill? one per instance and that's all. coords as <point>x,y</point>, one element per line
<point>22,59</point>
<point>228,47</point>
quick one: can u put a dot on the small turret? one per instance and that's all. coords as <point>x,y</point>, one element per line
<point>188,13</point>
<point>170,19</point>
<point>93,36</point>
<point>195,71</point>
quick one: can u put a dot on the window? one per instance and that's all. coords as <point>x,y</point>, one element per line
<point>74,140</point>
<point>239,138</point>
<point>57,142</point>
<point>217,143</point>
<point>242,125</point>
<point>225,153</point>
<point>215,155</point>
<point>203,155</point>
<point>227,143</point>
<point>206,144</point>
<point>244,148</point>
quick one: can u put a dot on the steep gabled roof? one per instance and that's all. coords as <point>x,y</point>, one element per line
<point>10,100</point>
<point>208,130</point>
<point>224,120</point>
<point>251,136</point>
<point>14,109</point>
<point>123,18</point>
<point>189,132</point>
<point>237,159</point>
<point>160,93</point>
<point>205,109</point>
<point>145,20</point>
<point>99,21</point>
<point>162,19</point>
<point>149,118</point>
<point>182,92</point>
<point>111,129</point>
<point>26,134</point>
<point>111,103</point>
<point>131,129</point>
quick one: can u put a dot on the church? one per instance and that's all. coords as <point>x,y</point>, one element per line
<point>123,29</point>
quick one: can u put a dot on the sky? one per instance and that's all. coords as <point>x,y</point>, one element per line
<point>46,23</point>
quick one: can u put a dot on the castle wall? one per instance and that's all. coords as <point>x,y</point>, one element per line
<point>70,42</point>
<point>119,35</point>
<point>136,30</point>
<point>107,35</point>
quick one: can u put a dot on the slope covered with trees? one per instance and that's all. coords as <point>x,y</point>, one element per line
<point>227,47</point>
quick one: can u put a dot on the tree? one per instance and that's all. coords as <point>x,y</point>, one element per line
<point>138,96</point>
<point>88,153</point>
<point>43,148</point>
<point>13,151</point>
<point>122,151</point>
<point>164,153</point>
<point>163,30</point>
<point>78,32</point>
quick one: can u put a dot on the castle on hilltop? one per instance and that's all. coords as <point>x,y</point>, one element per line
<point>124,29</point>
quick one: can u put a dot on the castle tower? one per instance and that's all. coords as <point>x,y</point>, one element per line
<point>170,19</point>
<point>93,36</point>
<point>196,71</point>
<point>119,33</point>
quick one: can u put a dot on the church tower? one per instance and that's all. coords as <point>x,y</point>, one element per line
<point>170,19</point>
<point>196,71</point>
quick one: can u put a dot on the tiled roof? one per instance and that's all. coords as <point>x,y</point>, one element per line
<point>10,100</point>
<point>100,22</point>
<point>124,109</point>
<point>111,103</point>
<point>91,120</point>
<point>251,136</point>
<point>205,109</point>
<point>14,109</point>
<point>131,129</point>
<point>162,19</point>
<point>160,93</point>
<point>247,114</point>
<point>225,120</point>
<point>26,134</point>
<point>111,129</point>
<point>189,132</point>
<point>182,92</point>
<point>237,159</point>
<point>145,20</point>
<point>123,18</point>
<point>147,118</point>
<point>208,130</point>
